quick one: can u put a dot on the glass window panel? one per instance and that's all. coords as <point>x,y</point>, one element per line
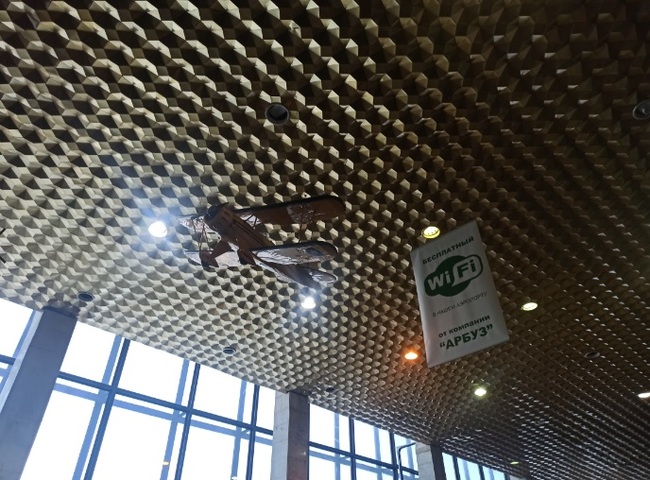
<point>135,442</point>
<point>13,320</point>
<point>266,408</point>
<point>468,470</point>
<point>409,458</point>
<point>66,433</point>
<point>491,474</point>
<point>450,469</point>
<point>262,457</point>
<point>369,471</point>
<point>217,448</point>
<point>151,372</point>
<point>372,442</point>
<point>4,371</point>
<point>328,466</point>
<point>329,428</point>
<point>410,476</point>
<point>223,395</point>
<point>88,353</point>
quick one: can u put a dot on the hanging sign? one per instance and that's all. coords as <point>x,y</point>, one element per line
<point>459,306</point>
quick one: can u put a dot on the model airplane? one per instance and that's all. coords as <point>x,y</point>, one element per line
<point>242,243</point>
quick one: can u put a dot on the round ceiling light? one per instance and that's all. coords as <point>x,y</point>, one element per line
<point>642,110</point>
<point>411,355</point>
<point>277,114</point>
<point>644,395</point>
<point>480,391</point>
<point>529,306</point>
<point>85,296</point>
<point>514,462</point>
<point>158,229</point>
<point>229,350</point>
<point>431,232</point>
<point>308,303</point>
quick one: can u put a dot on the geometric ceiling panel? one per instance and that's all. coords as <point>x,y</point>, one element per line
<point>513,113</point>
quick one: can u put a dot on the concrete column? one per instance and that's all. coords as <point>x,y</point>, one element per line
<point>28,387</point>
<point>290,456</point>
<point>430,462</point>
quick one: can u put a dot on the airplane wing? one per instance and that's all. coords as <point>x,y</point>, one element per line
<point>303,211</point>
<point>296,253</point>
<point>319,276</point>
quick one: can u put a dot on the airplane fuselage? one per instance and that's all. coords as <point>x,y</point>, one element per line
<point>243,238</point>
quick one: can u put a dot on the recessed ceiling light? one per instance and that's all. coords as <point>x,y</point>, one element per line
<point>158,229</point>
<point>411,355</point>
<point>229,350</point>
<point>308,302</point>
<point>430,232</point>
<point>514,462</point>
<point>592,354</point>
<point>277,114</point>
<point>642,110</point>
<point>529,306</point>
<point>85,296</point>
<point>480,391</point>
<point>644,395</point>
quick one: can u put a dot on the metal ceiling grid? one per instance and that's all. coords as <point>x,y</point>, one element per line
<point>513,113</point>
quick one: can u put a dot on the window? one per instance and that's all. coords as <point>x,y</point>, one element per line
<point>329,428</point>
<point>370,455</point>
<point>13,322</point>
<point>122,410</point>
<point>450,466</point>
<point>468,470</point>
<point>370,471</point>
<point>406,450</point>
<point>372,442</point>
<point>152,372</point>
<point>223,395</point>
<point>217,448</point>
<point>262,457</point>
<point>63,440</point>
<point>324,465</point>
<point>459,468</point>
<point>92,353</point>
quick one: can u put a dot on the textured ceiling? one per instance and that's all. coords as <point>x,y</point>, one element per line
<point>516,113</point>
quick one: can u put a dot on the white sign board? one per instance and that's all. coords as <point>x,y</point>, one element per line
<point>459,306</point>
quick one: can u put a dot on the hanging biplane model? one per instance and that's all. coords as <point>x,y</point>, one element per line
<point>242,242</point>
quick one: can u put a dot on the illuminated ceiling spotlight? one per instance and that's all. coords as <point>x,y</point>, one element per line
<point>431,232</point>
<point>644,395</point>
<point>480,391</point>
<point>515,462</point>
<point>308,302</point>
<point>411,355</point>
<point>158,229</point>
<point>529,306</point>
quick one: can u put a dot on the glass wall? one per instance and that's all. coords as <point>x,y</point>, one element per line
<point>457,468</point>
<point>124,410</point>
<point>121,409</point>
<point>342,448</point>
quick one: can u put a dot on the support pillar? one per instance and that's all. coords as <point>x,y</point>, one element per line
<point>430,463</point>
<point>290,456</point>
<point>28,387</point>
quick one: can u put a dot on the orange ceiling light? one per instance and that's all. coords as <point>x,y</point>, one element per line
<point>411,355</point>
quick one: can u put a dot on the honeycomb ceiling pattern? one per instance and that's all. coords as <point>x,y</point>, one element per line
<point>513,113</point>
